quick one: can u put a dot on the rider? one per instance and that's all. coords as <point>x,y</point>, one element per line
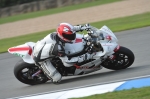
<point>45,48</point>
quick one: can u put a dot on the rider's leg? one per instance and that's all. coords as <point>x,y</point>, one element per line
<point>50,70</point>
<point>40,55</point>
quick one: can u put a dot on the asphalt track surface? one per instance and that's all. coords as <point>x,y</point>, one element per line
<point>138,40</point>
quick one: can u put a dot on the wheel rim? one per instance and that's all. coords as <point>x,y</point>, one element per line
<point>120,61</point>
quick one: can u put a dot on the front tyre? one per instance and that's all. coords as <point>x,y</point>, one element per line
<point>24,71</point>
<point>123,59</point>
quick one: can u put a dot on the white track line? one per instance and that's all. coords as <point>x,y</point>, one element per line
<point>121,80</point>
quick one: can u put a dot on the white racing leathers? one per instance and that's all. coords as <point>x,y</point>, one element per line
<point>41,53</point>
<point>43,50</point>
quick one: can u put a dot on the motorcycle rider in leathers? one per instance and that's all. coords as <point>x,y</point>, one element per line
<point>66,33</point>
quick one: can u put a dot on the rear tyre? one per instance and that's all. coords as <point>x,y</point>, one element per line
<point>124,58</point>
<point>24,71</point>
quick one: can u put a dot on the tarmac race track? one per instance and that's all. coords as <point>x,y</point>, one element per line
<point>138,40</point>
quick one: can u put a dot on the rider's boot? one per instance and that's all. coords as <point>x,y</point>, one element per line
<point>50,71</point>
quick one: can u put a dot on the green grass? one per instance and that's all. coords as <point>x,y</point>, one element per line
<point>115,25</point>
<point>130,22</point>
<point>54,10</point>
<point>136,93</point>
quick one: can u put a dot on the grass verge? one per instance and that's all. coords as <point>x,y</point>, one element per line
<point>115,25</point>
<point>54,10</point>
<point>135,93</point>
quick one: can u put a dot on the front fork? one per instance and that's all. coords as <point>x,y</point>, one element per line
<point>36,73</point>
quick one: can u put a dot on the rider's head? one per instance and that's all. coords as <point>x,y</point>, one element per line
<point>66,33</point>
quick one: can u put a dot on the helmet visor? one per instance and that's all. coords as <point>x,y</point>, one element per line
<point>69,36</point>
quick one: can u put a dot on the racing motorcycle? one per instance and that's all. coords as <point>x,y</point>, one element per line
<point>107,53</point>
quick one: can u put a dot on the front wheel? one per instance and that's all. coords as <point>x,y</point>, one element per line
<point>24,71</point>
<point>123,59</point>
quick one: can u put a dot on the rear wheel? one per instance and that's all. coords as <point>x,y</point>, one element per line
<point>123,59</point>
<point>24,71</point>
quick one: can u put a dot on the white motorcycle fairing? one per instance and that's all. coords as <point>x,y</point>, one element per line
<point>109,45</point>
<point>88,67</point>
<point>24,51</point>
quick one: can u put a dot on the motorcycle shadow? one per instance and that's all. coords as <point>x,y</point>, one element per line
<point>103,75</point>
<point>106,74</point>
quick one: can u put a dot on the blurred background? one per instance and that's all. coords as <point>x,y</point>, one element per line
<point>30,20</point>
<point>13,7</point>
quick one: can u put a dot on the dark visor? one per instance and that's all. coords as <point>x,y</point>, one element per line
<point>69,36</point>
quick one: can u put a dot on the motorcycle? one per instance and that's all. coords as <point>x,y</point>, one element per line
<point>107,53</point>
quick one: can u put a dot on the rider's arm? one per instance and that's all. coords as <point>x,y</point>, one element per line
<point>78,28</point>
<point>93,31</point>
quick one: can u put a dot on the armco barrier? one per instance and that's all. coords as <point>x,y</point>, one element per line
<point>91,90</point>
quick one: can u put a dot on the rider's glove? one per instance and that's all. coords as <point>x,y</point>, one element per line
<point>87,26</point>
<point>81,28</point>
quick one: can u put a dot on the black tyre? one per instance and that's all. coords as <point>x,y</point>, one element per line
<point>24,71</point>
<point>123,59</point>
